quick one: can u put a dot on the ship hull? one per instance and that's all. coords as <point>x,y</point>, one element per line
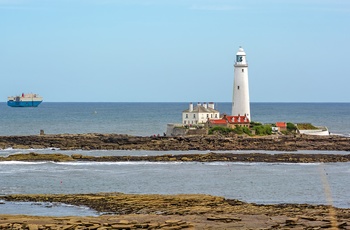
<point>23,103</point>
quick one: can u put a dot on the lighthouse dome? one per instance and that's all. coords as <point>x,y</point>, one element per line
<point>241,51</point>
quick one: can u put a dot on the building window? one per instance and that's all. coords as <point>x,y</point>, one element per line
<point>207,115</point>
<point>186,115</point>
<point>237,87</point>
<point>242,70</point>
<point>216,116</point>
<point>194,115</point>
<point>211,115</point>
<point>185,122</point>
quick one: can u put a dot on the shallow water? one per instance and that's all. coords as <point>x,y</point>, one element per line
<point>44,209</point>
<point>11,151</point>
<point>267,183</point>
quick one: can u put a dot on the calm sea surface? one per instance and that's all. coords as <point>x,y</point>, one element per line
<point>151,118</point>
<point>266,183</point>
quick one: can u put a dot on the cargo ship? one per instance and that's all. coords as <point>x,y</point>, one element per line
<point>25,100</point>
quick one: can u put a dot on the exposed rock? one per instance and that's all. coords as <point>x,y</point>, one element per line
<point>198,212</point>
<point>209,157</point>
<point>37,157</point>
<point>292,221</point>
<point>115,141</point>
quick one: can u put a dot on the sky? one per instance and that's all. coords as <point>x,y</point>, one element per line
<point>174,50</point>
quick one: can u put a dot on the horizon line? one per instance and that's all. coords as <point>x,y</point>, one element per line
<point>320,102</point>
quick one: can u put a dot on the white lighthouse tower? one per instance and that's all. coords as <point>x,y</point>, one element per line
<point>240,101</point>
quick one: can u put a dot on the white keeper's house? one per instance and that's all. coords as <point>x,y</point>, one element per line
<point>199,114</point>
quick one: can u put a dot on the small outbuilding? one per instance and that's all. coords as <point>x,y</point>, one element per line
<point>281,126</point>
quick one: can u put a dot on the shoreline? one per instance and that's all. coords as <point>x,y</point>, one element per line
<point>191,157</point>
<point>191,211</point>
<point>95,141</point>
<point>182,211</point>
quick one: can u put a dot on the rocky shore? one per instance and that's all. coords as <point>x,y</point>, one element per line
<point>208,157</point>
<point>128,211</point>
<point>211,142</point>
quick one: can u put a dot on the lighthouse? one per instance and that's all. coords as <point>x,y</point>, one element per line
<point>240,101</point>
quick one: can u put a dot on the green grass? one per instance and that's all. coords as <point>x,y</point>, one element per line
<point>306,126</point>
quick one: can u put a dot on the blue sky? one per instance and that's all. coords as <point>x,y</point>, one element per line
<point>174,51</point>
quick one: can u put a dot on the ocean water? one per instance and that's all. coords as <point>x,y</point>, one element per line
<point>265,183</point>
<point>146,119</point>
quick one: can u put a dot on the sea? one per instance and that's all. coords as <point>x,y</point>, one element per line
<point>262,183</point>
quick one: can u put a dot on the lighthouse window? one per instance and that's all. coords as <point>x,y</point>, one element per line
<point>242,70</point>
<point>237,87</point>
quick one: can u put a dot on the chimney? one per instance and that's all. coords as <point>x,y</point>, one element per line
<point>211,105</point>
<point>190,107</point>
<point>205,105</point>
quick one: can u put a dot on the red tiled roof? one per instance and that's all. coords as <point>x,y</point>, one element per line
<point>237,119</point>
<point>230,119</point>
<point>217,121</point>
<point>281,124</point>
